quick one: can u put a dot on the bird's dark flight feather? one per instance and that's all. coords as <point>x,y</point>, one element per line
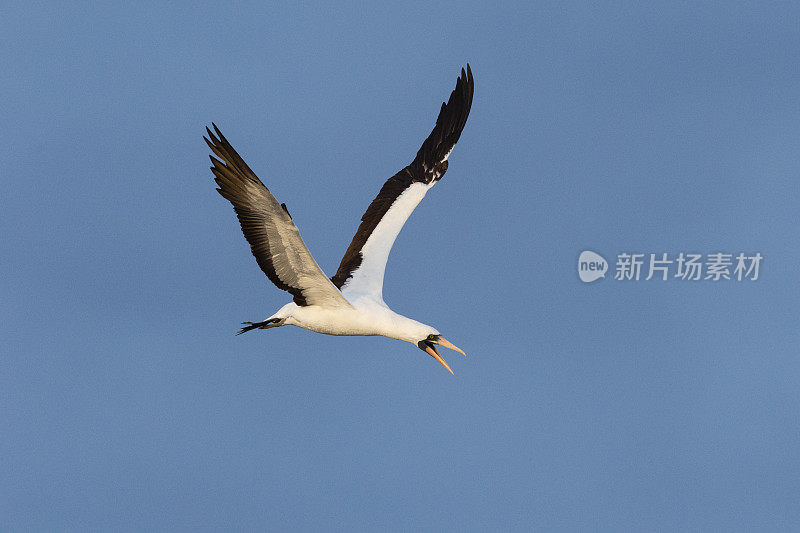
<point>269,229</point>
<point>232,175</point>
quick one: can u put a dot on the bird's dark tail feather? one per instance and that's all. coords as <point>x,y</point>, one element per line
<point>271,323</point>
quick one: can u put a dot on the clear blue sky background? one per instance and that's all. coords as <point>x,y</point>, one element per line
<point>126,402</point>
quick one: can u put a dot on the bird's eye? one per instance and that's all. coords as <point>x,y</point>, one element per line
<point>431,337</point>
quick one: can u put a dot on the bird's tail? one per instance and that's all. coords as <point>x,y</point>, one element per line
<point>269,323</point>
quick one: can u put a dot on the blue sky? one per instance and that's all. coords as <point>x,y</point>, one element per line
<point>127,403</point>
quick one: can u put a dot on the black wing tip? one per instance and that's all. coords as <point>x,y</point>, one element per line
<point>430,162</point>
<point>216,137</point>
<point>228,159</point>
<point>219,133</point>
<point>467,80</point>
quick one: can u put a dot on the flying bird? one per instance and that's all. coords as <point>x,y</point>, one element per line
<point>351,302</point>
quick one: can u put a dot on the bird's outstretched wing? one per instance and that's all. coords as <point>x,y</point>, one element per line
<point>274,240</point>
<point>360,273</point>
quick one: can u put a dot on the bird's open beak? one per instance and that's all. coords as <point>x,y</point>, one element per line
<point>431,349</point>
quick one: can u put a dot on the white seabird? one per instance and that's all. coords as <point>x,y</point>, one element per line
<point>351,302</point>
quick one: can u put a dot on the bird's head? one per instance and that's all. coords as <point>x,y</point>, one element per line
<point>428,344</point>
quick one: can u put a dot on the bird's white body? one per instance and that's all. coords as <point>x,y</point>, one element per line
<point>363,320</point>
<point>367,313</point>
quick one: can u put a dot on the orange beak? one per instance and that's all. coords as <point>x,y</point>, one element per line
<point>447,344</point>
